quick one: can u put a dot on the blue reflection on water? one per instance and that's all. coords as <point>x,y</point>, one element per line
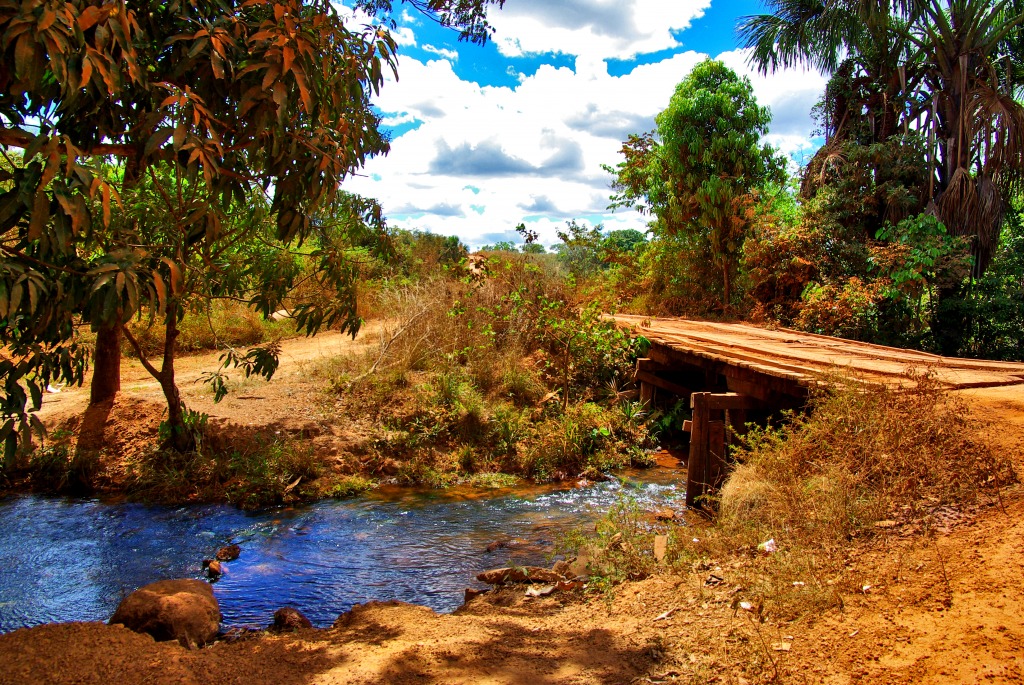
<point>73,560</point>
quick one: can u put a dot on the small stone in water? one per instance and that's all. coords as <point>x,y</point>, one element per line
<point>213,568</point>
<point>228,553</point>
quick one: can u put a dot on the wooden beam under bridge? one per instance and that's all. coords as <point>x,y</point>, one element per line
<point>705,468</point>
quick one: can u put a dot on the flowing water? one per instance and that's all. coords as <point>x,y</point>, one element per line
<point>73,560</point>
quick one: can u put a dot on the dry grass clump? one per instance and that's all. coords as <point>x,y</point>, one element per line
<point>860,456</point>
<point>827,478</point>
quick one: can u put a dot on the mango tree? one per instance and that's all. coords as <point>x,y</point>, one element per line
<point>207,101</point>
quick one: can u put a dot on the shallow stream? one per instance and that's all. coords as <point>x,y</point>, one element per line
<point>73,560</point>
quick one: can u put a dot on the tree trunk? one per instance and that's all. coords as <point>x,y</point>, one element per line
<point>726,287</point>
<point>180,439</point>
<point>106,375</point>
<point>953,321</point>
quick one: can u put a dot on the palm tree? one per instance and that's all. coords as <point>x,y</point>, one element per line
<point>975,124</point>
<point>943,69</point>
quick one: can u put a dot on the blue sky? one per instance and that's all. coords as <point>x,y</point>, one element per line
<point>484,138</point>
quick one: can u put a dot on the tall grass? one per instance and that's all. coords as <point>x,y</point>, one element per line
<point>860,457</point>
<point>471,376</point>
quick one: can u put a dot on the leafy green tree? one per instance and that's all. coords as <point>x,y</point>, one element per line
<point>218,97</point>
<point>623,240</point>
<point>944,70</point>
<point>419,254</point>
<point>500,246</point>
<point>700,174</point>
<point>580,249</point>
<point>996,303</point>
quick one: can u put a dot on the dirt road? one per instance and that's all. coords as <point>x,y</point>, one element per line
<point>295,402</point>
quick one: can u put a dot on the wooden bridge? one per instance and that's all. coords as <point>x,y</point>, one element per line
<point>734,373</point>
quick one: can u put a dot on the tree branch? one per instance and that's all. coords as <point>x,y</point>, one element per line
<point>138,350</point>
<point>387,345</point>
<point>22,139</point>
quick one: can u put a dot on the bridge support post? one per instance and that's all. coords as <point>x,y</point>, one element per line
<point>705,467</point>
<point>697,461</point>
<point>646,393</point>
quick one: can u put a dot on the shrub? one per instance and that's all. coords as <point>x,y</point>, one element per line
<point>476,359</point>
<point>580,441</point>
<point>58,467</point>
<point>262,472</point>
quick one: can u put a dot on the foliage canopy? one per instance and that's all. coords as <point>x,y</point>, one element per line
<point>700,173</point>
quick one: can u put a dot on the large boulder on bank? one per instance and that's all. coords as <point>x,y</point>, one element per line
<point>182,610</point>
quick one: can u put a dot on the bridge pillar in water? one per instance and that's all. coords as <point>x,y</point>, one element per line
<point>713,413</point>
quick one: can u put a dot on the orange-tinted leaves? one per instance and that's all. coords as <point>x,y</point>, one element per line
<point>24,56</point>
<point>270,77</point>
<point>46,20</point>
<point>86,71</point>
<point>89,17</point>
<point>217,64</point>
<point>157,140</point>
<point>287,57</point>
<point>177,283</point>
<point>300,81</point>
<point>52,164</point>
<point>40,215</point>
<point>161,291</point>
<point>249,100</point>
<point>14,301</point>
<point>179,136</point>
<point>105,190</point>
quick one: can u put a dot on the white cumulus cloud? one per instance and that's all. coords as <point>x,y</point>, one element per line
<point>604,28</point>
<point>451,55</point>
<point>476,160</point>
